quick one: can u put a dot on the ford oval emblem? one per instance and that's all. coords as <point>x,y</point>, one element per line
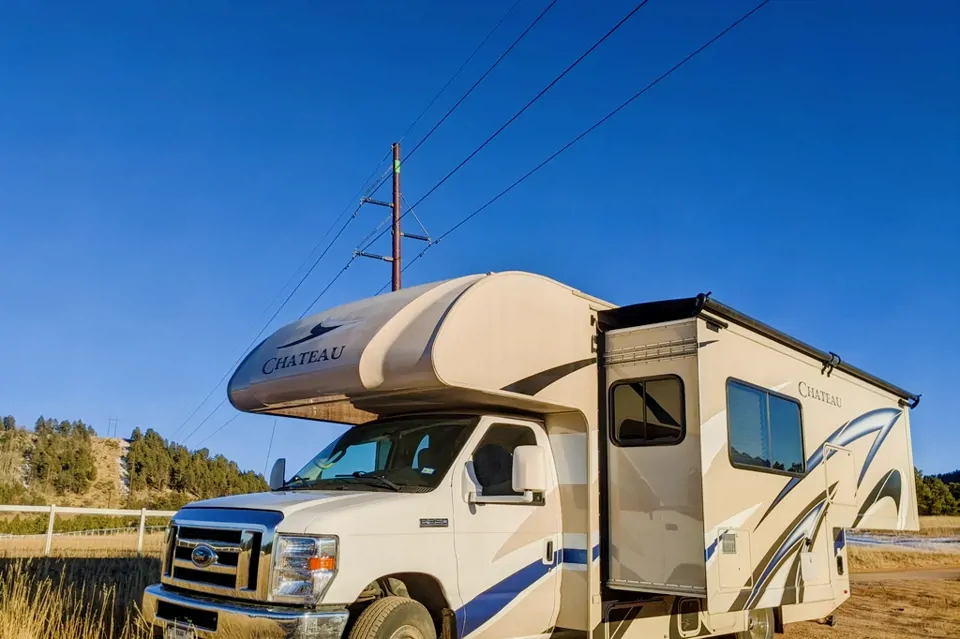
<point>203,556</point>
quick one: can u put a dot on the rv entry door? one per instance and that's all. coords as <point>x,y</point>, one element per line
<point>653,510</point>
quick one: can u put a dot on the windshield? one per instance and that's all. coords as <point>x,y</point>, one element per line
<point>404,454</point>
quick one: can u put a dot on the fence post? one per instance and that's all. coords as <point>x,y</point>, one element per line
<point>53,514</point>
<point>143,524</point>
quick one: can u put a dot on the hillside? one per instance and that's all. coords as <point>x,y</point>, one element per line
<point>66,463</point>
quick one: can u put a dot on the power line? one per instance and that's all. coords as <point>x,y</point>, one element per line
<point>204,420</point>
<point>299,284</point>
<point>222,426</point>
<point>327,287</point>
<point>368,192</point>
<point>589,130</point>
<point>483,76</point>
<point>274,316</point>
<point>373,189</point>
<point>458,71</point>
<point>526,106</point>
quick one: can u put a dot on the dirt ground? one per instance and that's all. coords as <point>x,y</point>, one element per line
<point>891,610</point>
<point>897,594</point>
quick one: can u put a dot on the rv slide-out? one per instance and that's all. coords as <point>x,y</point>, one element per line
<point>757,452</point>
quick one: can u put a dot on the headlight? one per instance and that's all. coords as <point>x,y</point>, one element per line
<point>303,568</point>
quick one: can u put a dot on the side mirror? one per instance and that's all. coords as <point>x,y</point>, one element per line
<point>278,474</point>
<point>529,469</point>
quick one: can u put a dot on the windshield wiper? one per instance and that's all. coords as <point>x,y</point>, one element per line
<point>293,480</point>
<point>364,474</point>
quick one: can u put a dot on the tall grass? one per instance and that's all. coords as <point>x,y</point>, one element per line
<point>97,595</point>
<point>878,559</point>
<point>941,526</point>
<point>79,598</point>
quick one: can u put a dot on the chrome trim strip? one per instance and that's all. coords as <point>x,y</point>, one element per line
<point>230,518</point>
<point>200,587</point>
<point>243,620</point>
<point>169,543</point>
<point>243,560</point>
<point>218,569</point>
<point>217,546</point>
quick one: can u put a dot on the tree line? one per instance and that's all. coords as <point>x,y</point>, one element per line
<point>164,467</point>
<point>938,494</point>
<point>57,459</point>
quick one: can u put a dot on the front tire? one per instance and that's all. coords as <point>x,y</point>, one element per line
<point>394,618</point>
<point>760,625</point>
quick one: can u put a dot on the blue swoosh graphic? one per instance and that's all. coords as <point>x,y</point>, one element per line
<point>878,420</point>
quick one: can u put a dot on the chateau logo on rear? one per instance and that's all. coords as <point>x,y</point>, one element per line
<point>810,392</point>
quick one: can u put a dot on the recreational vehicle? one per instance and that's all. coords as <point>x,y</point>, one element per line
<point>524,460</point>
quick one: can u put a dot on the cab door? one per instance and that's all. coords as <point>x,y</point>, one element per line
<point>507,554</point>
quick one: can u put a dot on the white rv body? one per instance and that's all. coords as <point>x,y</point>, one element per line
<point>698,467</point>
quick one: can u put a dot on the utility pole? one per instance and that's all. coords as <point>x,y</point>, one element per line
<point>396,216</point>
<point>396,208</point>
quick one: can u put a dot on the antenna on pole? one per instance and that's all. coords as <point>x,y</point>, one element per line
<point>270,447</point>
<point>396,207</point>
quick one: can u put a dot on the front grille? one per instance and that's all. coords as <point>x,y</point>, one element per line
<point>235,568</point>
<point>235,552</point>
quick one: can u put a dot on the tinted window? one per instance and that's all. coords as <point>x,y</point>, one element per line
<point>786,435</point>
<point>493,458</point>
<point>764,429</point>
<point>648,412</point>
<point>749,431</point>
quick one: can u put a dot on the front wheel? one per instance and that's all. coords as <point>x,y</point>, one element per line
<point>394,618</point>
<point>760,625</point>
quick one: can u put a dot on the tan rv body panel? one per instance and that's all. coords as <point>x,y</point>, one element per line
<point>654,540</point>
<point>469,342</point>
<point>856,444</point>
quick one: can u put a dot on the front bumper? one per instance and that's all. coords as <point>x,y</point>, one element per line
<point>219,619</point>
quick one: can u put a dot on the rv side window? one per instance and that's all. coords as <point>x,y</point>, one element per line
<point>648,412</point>
<point>765,430</point>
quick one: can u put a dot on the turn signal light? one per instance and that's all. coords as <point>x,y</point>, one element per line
<point>325,563</point>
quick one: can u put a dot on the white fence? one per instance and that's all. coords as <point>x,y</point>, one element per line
<point>53,511</point>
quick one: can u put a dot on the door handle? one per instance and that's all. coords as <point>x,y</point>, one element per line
<point>550,556</point>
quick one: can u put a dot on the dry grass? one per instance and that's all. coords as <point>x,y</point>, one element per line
<point>89,589</point>
<point>82,546</point>
<point>80,598</point>
<point>940,526</point>
<point>873,560</point>
<point>892,610</point>
<point>89,592</point>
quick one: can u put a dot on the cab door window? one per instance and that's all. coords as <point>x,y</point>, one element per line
<point>493,458</point>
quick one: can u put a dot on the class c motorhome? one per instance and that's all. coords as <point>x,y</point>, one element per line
<point>524,460</point>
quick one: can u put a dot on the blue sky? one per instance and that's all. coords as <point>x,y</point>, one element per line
<point>165,168</point>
